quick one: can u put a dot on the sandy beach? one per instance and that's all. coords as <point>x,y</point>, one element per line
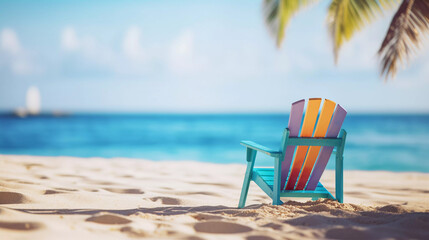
<point>78,198</point>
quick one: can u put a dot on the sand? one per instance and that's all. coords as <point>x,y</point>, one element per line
<point>78,198</point>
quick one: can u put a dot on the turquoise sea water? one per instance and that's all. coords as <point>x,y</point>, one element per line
<point>374,142</point>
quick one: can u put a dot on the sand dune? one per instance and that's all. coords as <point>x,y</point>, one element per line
<point>76,198</point>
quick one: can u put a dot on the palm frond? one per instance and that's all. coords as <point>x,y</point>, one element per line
<point>345,17</point>
<point>277,14</point>
<point>403,37</point>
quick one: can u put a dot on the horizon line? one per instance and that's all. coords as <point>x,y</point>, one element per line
<point>115,112</point>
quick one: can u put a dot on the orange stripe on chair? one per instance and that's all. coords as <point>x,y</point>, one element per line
<point>306,131</point>
<point>321,128</point>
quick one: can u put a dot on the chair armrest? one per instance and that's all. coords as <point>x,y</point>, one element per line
<point>260,148</point>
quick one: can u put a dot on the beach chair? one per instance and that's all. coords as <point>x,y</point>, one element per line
<point>303,155</point>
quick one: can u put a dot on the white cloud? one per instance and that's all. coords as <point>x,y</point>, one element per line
<point>95,51</point>
<point>10,42</point>
<point>69,39</point>
<point>17,60</point>
<point>131,45</point>
<point>22,66</point>
<point>361,52</point>
<point>182,59</point>
<point>85,52</point>
<point>183,45</point>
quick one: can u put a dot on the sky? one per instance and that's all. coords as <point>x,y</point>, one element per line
<point>192,57</point>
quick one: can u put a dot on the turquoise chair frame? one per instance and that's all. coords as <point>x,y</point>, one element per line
<point>268,179</point>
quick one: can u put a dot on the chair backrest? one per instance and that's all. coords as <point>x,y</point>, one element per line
<point>300,170</point>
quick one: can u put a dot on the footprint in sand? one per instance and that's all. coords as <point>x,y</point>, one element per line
<point>218,227</point>
<point>108,219</point>
<point>166,200</point>
<point>11,198</point>
<point>125,190</point>
<point>26,226</point>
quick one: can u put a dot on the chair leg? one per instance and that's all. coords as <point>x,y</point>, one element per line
<point>277,201</point>
<point>251,155</point>
<point>244,191</point>
<point>276,185</point>
<point>339,179</point>
<point>339,171</point>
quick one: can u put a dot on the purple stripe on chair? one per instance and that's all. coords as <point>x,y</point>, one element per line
<point>294,125</point>
<point>333,130</point>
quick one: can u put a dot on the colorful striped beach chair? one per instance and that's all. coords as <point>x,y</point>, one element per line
<point>303,155</point>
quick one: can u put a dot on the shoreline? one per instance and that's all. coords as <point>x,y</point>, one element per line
<point>184,161</point>
<point>118,198</point>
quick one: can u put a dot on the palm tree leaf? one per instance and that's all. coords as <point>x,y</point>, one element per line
<point>403,37</point>
<point>345,17</point>
<point>277,14</point>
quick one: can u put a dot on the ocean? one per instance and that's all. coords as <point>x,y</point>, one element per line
<point>374,142</point>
